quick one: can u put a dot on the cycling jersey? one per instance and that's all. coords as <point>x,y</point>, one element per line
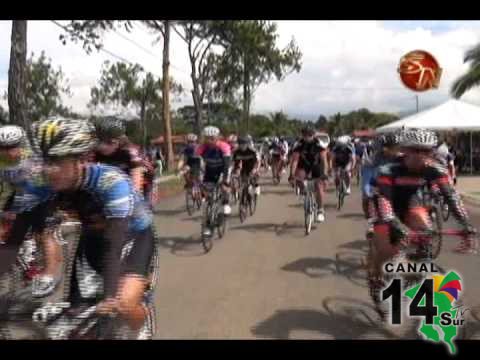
<point>248,158</point>
<point>310,157</point>
<point>343,154</point>
<point>217,160</point>
<point>277,149</point>
<point>397,190</point>
<point>193,161</point>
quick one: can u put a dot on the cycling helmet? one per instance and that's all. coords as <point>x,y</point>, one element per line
<point>419,138</point>
<point>249,138</point>
<point>63,137</point>
<point>211,131</point>
<point>192,137</point>
<point>275,140</point>
<point>323,140</point>
<point>109,128</point>
<point>243,140</point>
<point>308,131</point>
<point>343,140</point>
<point>11,135</point>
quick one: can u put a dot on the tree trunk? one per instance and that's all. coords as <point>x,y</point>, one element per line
<point>198,109</point>
<point>166,98</point>
<point>17,74</point>
<point>144,126</point>
<point>246,97</point>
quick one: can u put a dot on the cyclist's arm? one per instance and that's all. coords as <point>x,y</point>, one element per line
<point>452,198</point>
<point>324,160</point>
<point>294,165</point>
<point>227,160</point>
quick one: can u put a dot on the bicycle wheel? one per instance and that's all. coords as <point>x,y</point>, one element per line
<point>341,196</point>
<point>308,214</point>
<point>206,223</point>
<point>221,224</point>
<point>253,204</point>
<point>242,207</point>
<point>445,211</point>
<point>190,202</point>
<point>436,216</point>
<point>235,191</point>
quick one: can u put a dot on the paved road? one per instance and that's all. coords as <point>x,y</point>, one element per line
<point>266,279</point>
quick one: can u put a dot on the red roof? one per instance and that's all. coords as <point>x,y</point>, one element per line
<point>364,133</point>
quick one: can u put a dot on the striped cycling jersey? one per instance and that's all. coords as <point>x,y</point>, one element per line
<point>214,156</point>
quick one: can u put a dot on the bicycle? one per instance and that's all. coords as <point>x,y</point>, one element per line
<point>341,189</point>
<point>418,250</point>
<point>235,189</point>
<point>434,203</point>
<point>193,197</point>
<point>310,207</point>
<point>276,170</point>
<point>213,217</point>
<point>248,199</point>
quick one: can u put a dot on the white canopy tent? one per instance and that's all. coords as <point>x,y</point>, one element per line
<point>453,115</point>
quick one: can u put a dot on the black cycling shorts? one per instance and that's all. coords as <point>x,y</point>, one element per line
<point>212,176</point>
<point>316,170</point>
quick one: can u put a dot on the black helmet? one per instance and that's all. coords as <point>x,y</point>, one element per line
<point>109,128</point>
<point>308,130</point>
<point>243,140</point>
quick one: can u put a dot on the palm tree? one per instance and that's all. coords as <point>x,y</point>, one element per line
<point>472,77</point>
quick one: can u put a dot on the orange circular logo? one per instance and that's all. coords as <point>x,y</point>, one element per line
<point>419,71</point>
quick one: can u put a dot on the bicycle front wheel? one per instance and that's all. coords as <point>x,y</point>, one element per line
<point>308,213</point>
<point>190,202</point>
<point>437,238</point>
<point>341,196</point>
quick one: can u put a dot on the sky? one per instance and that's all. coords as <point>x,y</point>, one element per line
<point>346,65</point>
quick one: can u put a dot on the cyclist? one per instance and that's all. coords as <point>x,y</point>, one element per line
<point>277,156</point>
<point>310,158</point>
<point>190,162</point>
<point>343,158</point>
<point>113,262</point>
<point>216,155</point>
<point>397,201</point>
<point>232,140</point>
<point>114,148</point>
<point>265,153</point>
<point>20,171</point>
<point>447,159</point>
<point>247,162</point>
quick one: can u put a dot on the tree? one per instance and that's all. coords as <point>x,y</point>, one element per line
<point>90,34</point>
<point>44,89</point>
<point>16,74</point>
<point>122,85</point>
<point>3,116</point>
<point>472,77</point>
<point>199,36</point>
<point>251,58</point>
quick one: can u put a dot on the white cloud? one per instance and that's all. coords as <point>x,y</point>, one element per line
<point>336,55</point>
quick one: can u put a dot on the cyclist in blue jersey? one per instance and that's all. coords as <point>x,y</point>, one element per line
<point>114,258</point>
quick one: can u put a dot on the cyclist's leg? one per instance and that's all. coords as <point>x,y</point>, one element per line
<point>134,283</point>
<point>318,174</point>
<point>347,170</point>
<point>300,175</point>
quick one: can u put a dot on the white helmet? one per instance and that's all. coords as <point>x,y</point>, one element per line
<point>344,139</point>
<point>323,140</point>
<point>192,137</point>
<point>11,135</point>
<point>211,131</point>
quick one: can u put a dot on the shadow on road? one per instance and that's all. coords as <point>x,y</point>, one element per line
<point>358,216</point>
<point>278,229</point>
<point>360,244</point>
<point>330,326</point>
<point>181,246</point>
<point>346,264</point>
<point>278,192</point>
